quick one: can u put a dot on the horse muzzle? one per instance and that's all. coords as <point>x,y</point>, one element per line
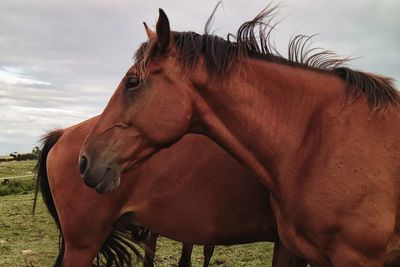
<point>103,178</point>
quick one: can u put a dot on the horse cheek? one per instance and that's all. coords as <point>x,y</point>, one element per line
<point>170,116</point>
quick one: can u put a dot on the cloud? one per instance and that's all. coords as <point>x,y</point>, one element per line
<point>13,76</point>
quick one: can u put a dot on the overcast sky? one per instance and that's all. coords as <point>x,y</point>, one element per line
<point>60,61</point>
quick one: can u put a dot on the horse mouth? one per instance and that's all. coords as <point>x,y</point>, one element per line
<point>111,179</point>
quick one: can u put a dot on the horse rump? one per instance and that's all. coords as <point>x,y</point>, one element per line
<point>116,250</point>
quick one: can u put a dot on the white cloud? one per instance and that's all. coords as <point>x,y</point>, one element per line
<point>16,78</point>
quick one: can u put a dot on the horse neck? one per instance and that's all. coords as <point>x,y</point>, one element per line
<point>264,118</point>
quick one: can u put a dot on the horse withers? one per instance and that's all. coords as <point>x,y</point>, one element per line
<point>187,192</point>
<point>322,138</point>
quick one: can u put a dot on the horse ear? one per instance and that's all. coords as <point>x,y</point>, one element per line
<point>164,35</point>
<point>150,33</point>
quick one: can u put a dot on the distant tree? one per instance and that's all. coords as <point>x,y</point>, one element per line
<point>26,156</point>
<point>36,151</point>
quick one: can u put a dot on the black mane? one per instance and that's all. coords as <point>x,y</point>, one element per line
<point>252,40</point>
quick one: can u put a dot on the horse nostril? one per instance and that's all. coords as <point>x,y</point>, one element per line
<point>82,165</point>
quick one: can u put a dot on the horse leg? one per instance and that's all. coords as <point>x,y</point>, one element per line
<point>284,258</point>
<point>186,256</point>
<point>82,243</point>
<point>207,252</point>
<point>75,256</point>
<point>150,250</point>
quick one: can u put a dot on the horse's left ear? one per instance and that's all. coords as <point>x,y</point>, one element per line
<point>150,33</point>
<point>164,35</point>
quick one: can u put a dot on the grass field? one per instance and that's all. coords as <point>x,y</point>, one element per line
<point>16,168</point>
<point>27,240</point>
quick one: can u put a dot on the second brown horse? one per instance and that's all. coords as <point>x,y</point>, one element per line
<point>188,192</point>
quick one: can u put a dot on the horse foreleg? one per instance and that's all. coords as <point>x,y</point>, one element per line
<point>150,250</point>
<point>79,256</point>
<point>186,256</point>
<point>207,252</point>
<point>284,258</point>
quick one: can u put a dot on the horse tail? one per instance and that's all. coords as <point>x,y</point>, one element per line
<point>116,249</point>
<point>42,185</point>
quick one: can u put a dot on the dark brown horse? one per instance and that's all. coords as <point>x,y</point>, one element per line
<point>322,138</point>
<point>188,192</point>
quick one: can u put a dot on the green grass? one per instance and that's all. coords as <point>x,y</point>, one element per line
<point>16,168</point>
<point>26,240</point>
<point>33,241</point>
<point>17,186</point>
<point>256,254</point>
<point>22,169</point>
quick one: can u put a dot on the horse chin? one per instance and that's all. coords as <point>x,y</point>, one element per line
<point>110,181</point>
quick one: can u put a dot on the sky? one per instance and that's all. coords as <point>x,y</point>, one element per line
<point>60,61</point>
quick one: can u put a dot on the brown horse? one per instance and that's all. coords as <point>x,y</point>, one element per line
<point>323,139</point>
<point>188,192</point>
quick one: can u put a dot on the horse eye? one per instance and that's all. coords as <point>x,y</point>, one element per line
<point>133,83</point>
